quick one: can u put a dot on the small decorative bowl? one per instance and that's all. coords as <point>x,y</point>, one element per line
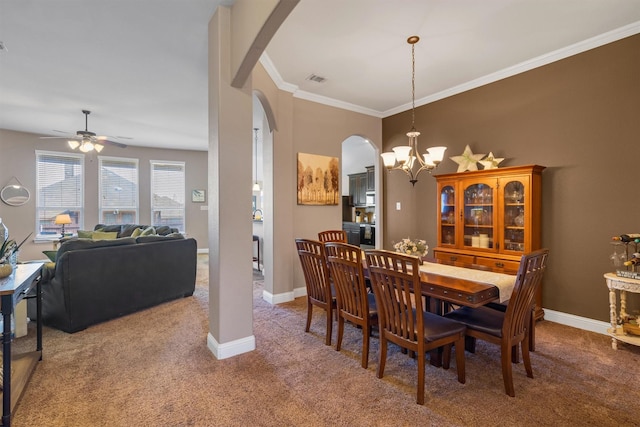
<point>5,270</point>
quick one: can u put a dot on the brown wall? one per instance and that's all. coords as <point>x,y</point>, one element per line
<point>579,117</point>
<point>17,158</point>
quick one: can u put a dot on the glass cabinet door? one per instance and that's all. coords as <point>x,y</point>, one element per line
<point>514,215</point>
<point>479,216</point>
<point>447,215</point>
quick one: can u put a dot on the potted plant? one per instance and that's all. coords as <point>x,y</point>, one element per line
<point>7,250</point>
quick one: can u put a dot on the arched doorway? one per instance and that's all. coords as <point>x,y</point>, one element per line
<point>360,168</point>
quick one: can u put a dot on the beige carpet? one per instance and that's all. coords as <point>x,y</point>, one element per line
<point>153,368</point>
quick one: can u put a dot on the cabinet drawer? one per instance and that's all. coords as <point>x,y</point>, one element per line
<point>499,265</point>
<point>449,258</point>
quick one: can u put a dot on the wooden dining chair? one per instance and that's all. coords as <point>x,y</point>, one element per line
<point>333,236</point>
<point>316,277</point>
<point>402,318</point>
<point>354,303</point>
<point>510,328</point>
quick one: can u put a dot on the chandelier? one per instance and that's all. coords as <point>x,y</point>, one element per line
<point>405,157</point>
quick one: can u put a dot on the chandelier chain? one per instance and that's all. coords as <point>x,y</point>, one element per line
<point>407,158</point>
<point>413,87</point>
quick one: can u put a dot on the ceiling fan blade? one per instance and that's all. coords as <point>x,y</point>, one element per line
<point>57,137</point>
<point>115,144</point>
<point>107,140</point>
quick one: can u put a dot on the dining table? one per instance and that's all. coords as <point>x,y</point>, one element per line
<point>470,285</point>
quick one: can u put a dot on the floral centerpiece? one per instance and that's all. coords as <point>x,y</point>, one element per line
<point>412,247</point>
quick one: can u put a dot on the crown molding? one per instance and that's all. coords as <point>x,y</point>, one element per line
<point>556,55</point>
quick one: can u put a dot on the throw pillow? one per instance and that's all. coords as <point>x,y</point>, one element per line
<point>84,234</point>
<point>136,232</point>
<point>163,230</point>
<point>104,235</point>
<point>148,231</point>
<point>51,255</point>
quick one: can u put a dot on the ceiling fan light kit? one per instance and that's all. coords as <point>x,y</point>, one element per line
<point>86,141</point>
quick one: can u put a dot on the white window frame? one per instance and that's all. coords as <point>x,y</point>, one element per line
<point>76,211</point>
<point>101,191</point>
<point>182,165</point>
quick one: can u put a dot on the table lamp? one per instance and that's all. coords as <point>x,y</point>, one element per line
<point>63,219</point>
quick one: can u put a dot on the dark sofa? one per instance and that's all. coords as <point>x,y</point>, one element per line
<point>95,281</point>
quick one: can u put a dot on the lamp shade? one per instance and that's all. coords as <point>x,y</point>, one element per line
<point>436,153</point>
<point>63,219</point>
<point>389,159</point>
<point>403,152</point>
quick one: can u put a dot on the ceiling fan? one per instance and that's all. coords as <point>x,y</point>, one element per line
<point>86,141</point>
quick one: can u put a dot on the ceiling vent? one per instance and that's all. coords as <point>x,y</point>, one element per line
<point>316,78</point>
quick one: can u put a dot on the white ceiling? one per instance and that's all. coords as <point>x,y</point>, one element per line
<point>141,67</point>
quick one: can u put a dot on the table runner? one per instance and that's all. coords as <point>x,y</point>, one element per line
<point>504,282</point>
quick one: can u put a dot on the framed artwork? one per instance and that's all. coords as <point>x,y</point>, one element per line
<point>318,181</point>
<point>199,196</point>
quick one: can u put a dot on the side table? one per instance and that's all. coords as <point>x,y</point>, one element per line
<point>622,285</point>
<point>13,289</point>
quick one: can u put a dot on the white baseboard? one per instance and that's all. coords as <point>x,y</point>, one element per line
<point>203,251</point>
<point>576,321</point>
<point>230,349</point>
<point>300,292</point>
<point>278,298</point>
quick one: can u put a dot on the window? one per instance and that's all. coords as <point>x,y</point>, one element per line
<point>118,190</point>
<point>60,189</point>
<point>167,194</point>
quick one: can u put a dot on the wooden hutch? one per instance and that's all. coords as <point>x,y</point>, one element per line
<point>490,217</point>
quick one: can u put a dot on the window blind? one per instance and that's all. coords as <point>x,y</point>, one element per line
<point>168,194</point>
<point>59,189</point>
<point>118,190</point>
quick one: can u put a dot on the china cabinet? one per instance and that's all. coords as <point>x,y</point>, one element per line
<point>358,188</point>
<point>371,178</point>
<point>360,184</point>
<point>490,217</point>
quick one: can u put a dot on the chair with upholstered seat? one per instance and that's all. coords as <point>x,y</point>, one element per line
<point>316,277</point>
<point>510,328</point>
<point>333,236</point>
<point>402,318</point>
<point>354,303</point>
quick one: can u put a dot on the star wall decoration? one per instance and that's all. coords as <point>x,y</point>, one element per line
<point>491,162</point>
<point>467,161</point>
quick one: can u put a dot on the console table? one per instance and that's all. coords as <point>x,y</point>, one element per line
<point>12,290</point>
<point>623,285</point>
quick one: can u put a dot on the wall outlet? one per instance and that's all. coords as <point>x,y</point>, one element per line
<point>398,206</point>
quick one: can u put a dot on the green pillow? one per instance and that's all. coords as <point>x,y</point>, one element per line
<point>104,235</point>
<point>136,232</point>
<point>83,234</point>
<point>51,255</point>
<point>149,231</point>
